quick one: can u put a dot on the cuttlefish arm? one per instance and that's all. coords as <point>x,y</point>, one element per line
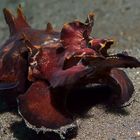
<point>121,86</point>
<point>105,71</point>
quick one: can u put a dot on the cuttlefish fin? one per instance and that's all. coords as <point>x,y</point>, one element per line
<point>37,109</point>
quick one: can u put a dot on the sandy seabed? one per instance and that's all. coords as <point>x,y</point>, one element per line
<point>118,19</point>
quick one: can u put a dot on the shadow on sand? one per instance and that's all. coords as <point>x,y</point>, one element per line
<point>21,132</point>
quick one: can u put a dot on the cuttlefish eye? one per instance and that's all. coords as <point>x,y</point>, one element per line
<point>89,44</point>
